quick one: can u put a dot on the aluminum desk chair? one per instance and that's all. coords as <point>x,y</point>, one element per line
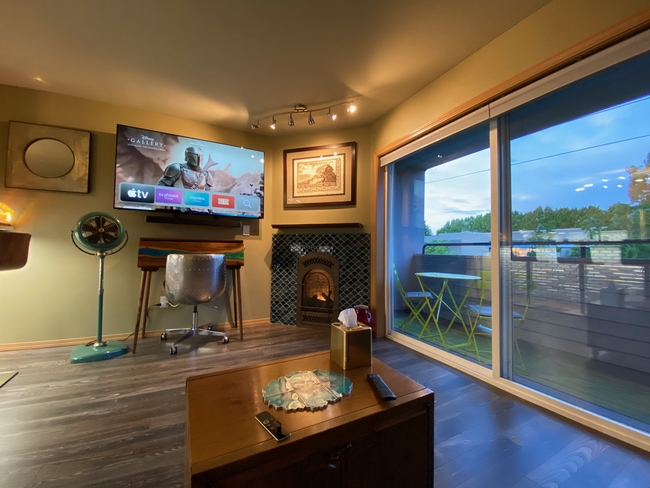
<point>193,279</point>
<point>482,312</point>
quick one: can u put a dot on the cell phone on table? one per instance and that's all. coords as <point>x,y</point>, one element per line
<point>272,426</point>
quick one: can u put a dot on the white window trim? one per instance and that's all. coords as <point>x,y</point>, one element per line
<point>476,117</point>
<point>623,51</point>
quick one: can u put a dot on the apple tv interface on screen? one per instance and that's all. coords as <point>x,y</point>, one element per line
<point>155,170</point>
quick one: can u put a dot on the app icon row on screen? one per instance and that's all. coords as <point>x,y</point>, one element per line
<point>133,192</point>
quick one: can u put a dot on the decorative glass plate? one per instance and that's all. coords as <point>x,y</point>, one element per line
<point>306,390</point>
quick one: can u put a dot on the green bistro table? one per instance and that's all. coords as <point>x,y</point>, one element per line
<point>455,309</point>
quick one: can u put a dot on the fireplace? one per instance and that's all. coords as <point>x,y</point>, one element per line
<point>349,257</point>
<point>318,290</point>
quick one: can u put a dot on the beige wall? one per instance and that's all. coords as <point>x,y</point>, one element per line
<point>54,296</point>
<point>553,28</point>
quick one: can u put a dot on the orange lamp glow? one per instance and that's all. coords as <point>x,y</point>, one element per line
<point>6,214</point>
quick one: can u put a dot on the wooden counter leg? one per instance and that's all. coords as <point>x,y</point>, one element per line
<point>146,303</point>
<point>241,312</point>
<point>234,295</point>
<point>137,320</point>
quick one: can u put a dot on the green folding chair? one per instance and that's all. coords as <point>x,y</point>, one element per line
<point>415,301</point>
<point>482,312</point>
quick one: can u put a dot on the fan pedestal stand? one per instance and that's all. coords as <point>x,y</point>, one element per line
<point>97,352</point>
<point>100,350</point>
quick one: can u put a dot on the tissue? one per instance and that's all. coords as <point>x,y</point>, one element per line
<point>348,318</point>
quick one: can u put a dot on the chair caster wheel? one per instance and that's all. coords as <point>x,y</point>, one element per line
<point>225,340</point>
<point>210,327</point>
<point>173,351</point>
<point>163,336</point>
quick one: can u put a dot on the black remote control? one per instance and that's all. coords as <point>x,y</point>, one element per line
<point>272,426</point>
<point>380,387</point>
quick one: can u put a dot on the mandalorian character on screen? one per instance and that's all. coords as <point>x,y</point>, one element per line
<point>190,173</point>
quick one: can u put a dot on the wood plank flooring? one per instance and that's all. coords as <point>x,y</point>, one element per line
<point>120,423</point>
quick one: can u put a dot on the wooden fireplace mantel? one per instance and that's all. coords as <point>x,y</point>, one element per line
<point>355,225</point>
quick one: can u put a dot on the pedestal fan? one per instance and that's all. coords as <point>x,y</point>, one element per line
<point>102,235</point>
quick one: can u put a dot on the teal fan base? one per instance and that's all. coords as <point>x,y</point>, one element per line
<point>88,354</point>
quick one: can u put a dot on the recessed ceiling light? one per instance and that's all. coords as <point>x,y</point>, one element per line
<point>620,186</point>
<point>580,189</point>
<point>621,177</point>
<point>588,185</point>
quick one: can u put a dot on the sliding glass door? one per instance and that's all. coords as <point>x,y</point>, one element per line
<point>440,245</point>
<point>577,277</point>
<point>563,284</point>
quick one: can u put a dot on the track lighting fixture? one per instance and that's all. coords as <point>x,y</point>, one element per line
<point>302,109</point>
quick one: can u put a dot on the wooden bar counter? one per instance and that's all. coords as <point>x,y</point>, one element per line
<point>358,442</point>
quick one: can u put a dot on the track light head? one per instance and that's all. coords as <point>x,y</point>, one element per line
<point>290,123</point>
<point>330,114</point>
<point>352,107</point>
<point>273,124</point>
<point>311,120</point>
<point>255,126</point>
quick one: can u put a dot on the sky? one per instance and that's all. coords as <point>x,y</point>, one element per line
<point>575,164</point>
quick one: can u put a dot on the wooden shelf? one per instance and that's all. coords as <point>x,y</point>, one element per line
<point>317,226</point>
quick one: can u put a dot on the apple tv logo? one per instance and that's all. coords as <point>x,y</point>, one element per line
<point>132,192</point>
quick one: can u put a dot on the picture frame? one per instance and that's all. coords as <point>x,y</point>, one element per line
<point>43,157</point>
<point>320,176</point>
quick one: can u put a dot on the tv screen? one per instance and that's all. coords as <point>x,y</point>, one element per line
<point>160,171</point>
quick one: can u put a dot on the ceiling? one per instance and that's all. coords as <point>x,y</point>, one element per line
<point>231,62</point>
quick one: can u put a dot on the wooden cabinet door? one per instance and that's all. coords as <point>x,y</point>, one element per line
<point>318,470</point>
<point>397,453</point>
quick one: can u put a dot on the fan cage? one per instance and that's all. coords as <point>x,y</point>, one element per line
<point>99,232</point>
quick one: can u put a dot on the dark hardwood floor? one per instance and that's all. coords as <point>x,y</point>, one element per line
<point>120,423</point>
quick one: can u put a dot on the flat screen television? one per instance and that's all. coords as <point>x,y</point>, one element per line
<point>160,171</point>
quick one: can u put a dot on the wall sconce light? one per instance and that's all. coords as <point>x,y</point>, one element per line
<point>6,216</point>
<point>302,109</point>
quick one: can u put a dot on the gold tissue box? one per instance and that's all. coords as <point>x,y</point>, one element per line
<point>351,348</point>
